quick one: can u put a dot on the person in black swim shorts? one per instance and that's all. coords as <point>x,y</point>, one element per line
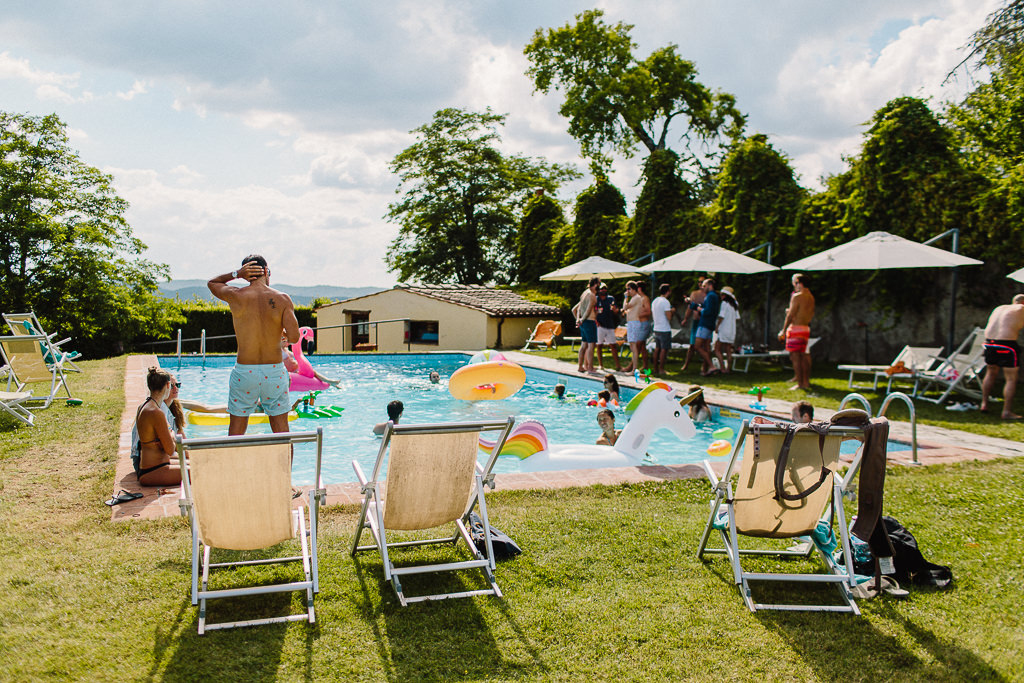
<point>1002,353</point>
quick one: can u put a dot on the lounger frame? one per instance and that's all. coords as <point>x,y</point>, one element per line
<point>17,323</point>
<point>305,524</point>
<point>839,575</point>
<point>371,515</point>
<point>24,357</point>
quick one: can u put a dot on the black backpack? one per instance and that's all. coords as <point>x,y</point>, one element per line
<point>911,567</point>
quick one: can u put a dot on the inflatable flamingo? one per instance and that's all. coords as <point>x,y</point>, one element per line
<point>304,379</point>
<point>656,407</point>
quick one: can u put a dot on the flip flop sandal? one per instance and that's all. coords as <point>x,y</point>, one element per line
<point>892,589</point>
<point>122,497</point>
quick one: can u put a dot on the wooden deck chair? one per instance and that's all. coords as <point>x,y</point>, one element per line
<point>960,372</point>
<point>913,358</point>
<point>11,403</point>
<point>433,479</point>
<point>237,495</point>
<point>784,495</point>
<point>544,334</point>
<point>22,324</point>
<point>24,356</point>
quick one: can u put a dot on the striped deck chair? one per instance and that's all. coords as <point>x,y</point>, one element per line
<point>433,480</point>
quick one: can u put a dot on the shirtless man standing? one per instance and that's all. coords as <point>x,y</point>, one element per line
<point>1003,353</point>
<point>260,316</point>
<point>796,331</point>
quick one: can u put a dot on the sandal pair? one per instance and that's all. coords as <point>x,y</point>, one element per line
<point>872,588</point>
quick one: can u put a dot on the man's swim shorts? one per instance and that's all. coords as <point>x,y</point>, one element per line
<point>266,385</point>
<point>588,332</point>
<point>797,337</point>
<point>1002,352</point>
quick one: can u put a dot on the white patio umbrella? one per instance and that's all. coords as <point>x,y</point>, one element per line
<point>881,250</point>
<point>595,266</point>
<point>1017,275</point>
<point>709,259</point>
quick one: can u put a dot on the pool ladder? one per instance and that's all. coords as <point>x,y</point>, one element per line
<point>881,411</point>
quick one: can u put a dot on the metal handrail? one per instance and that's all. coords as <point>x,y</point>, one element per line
<point>881,411</point>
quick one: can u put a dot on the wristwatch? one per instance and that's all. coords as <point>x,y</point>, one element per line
<point>234,274</point>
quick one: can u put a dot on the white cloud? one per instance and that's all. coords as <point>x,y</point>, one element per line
<point>139,87</point>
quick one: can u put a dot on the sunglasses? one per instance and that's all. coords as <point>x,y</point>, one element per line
<point>177,385</point>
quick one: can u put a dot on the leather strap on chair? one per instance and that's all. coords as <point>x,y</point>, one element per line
<point>821,428</point>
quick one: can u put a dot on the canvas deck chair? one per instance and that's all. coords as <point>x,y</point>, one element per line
<point>959,373</point>
<point>433,480</point>
<point>810,505</point>
<point>24,357</point>
<point>11,403</point>
<point>237,495</point>
<point>544,334</point>
<point>22,324</point>
<point>913,358</point>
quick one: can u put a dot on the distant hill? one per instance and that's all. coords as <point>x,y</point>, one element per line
<point>187,290</point>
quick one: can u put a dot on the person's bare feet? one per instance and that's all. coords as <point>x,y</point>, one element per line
<point>1011,416</point>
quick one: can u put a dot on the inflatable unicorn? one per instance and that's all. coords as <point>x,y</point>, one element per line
<point>305,379</point>
<point>654,408</point>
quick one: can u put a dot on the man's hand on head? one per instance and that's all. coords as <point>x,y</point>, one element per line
<point>250,271</point>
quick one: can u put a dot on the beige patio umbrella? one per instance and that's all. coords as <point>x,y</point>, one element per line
<point>882,250</point>
<point>595,266</point>
<point>708,258</point>
<point>1017,275</point>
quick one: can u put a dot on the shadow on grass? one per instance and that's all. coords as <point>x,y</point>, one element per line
<point>445,639</point>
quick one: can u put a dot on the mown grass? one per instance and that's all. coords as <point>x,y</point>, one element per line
<point>608,586</point>
<point>828,387</point>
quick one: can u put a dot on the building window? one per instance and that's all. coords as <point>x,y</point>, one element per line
<point>423,332</point>
<point>361,333</point>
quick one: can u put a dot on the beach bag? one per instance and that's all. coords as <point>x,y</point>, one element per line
<point>504,547</point>
<point>911,567</point>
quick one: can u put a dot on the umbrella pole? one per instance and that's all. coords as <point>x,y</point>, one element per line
<point>955,233</point>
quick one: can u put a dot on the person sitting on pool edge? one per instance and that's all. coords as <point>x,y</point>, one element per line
<point>158,463</point>
<point>609,434</point>
<point>803,412</point>
<point>395,409</point>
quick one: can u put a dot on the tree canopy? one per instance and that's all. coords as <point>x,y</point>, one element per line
<point>66,250</point>
<point>616,102</point>
<point>462,200</point>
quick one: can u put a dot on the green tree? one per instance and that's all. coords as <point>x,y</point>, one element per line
<point>757,198</point>
<point>600,212</point>
<point>542,220</point>
<point>66,250</point>
<point>616,102</point>
<point>666,219</point>
<point>461,200</point>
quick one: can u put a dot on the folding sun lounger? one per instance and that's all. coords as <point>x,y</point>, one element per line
<point>787,488</point>
<point>545,334</point>
<point>960,372</point>
<point>11,403</point>
<point>24,357</point>
<point>913,358</point>
<point>433,479</point>
<point>22,324</point>
<point>237,495</point>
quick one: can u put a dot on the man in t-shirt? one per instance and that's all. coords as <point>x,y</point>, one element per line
<point>662,311</point>
<point>706,326</point>
<point>607,320</point>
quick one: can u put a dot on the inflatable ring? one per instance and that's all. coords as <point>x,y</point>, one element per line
<point>723,433</point>
<point>488,381</point>
<point>720,447</point>
<point>195,418</point>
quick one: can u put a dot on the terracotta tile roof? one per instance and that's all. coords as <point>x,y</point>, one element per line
<point>497,302</point>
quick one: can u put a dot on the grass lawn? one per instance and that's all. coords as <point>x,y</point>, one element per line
<point>608,586</point>
<point>829,386</point>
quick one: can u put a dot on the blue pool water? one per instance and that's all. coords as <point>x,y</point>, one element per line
<point>370,382</point>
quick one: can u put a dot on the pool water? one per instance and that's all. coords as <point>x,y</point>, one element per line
<point>369,383</point>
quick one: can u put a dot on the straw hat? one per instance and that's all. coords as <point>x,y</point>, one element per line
<point>728,290</point>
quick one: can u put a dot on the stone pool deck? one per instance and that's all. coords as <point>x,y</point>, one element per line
<point>934,445</point>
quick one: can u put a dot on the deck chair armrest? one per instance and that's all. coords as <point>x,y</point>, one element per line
<point>488,478</point>
<point>366,485</point>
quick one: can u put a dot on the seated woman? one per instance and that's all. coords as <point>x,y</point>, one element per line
<point>156,443</point>
<point>699,410</point>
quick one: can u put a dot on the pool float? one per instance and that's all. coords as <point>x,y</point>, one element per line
<point>759,404</point>
<point>487,381</point>
<point>196,418</point>
<point>719,447</point>
<point>318,412</point>
<point>486,355</point>
<point>305,379</point>
<point>646,375</point>
<point>657,409</point>
<point>723,433</point>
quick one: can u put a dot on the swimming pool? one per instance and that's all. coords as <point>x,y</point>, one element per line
<point>368,383</point>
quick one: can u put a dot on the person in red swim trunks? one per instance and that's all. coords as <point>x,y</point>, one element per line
<point>796,331</point>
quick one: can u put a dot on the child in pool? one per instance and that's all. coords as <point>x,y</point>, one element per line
<point>559,393</point>
<point>699,410</point>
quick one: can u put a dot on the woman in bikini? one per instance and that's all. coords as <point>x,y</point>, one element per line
<point>156,441</point>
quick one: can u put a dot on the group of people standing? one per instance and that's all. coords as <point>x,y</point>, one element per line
<point>713,326</point>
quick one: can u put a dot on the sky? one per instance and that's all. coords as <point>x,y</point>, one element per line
<point>268,127</point>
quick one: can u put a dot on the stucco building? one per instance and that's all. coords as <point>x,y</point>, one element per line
<point>430,318</point>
